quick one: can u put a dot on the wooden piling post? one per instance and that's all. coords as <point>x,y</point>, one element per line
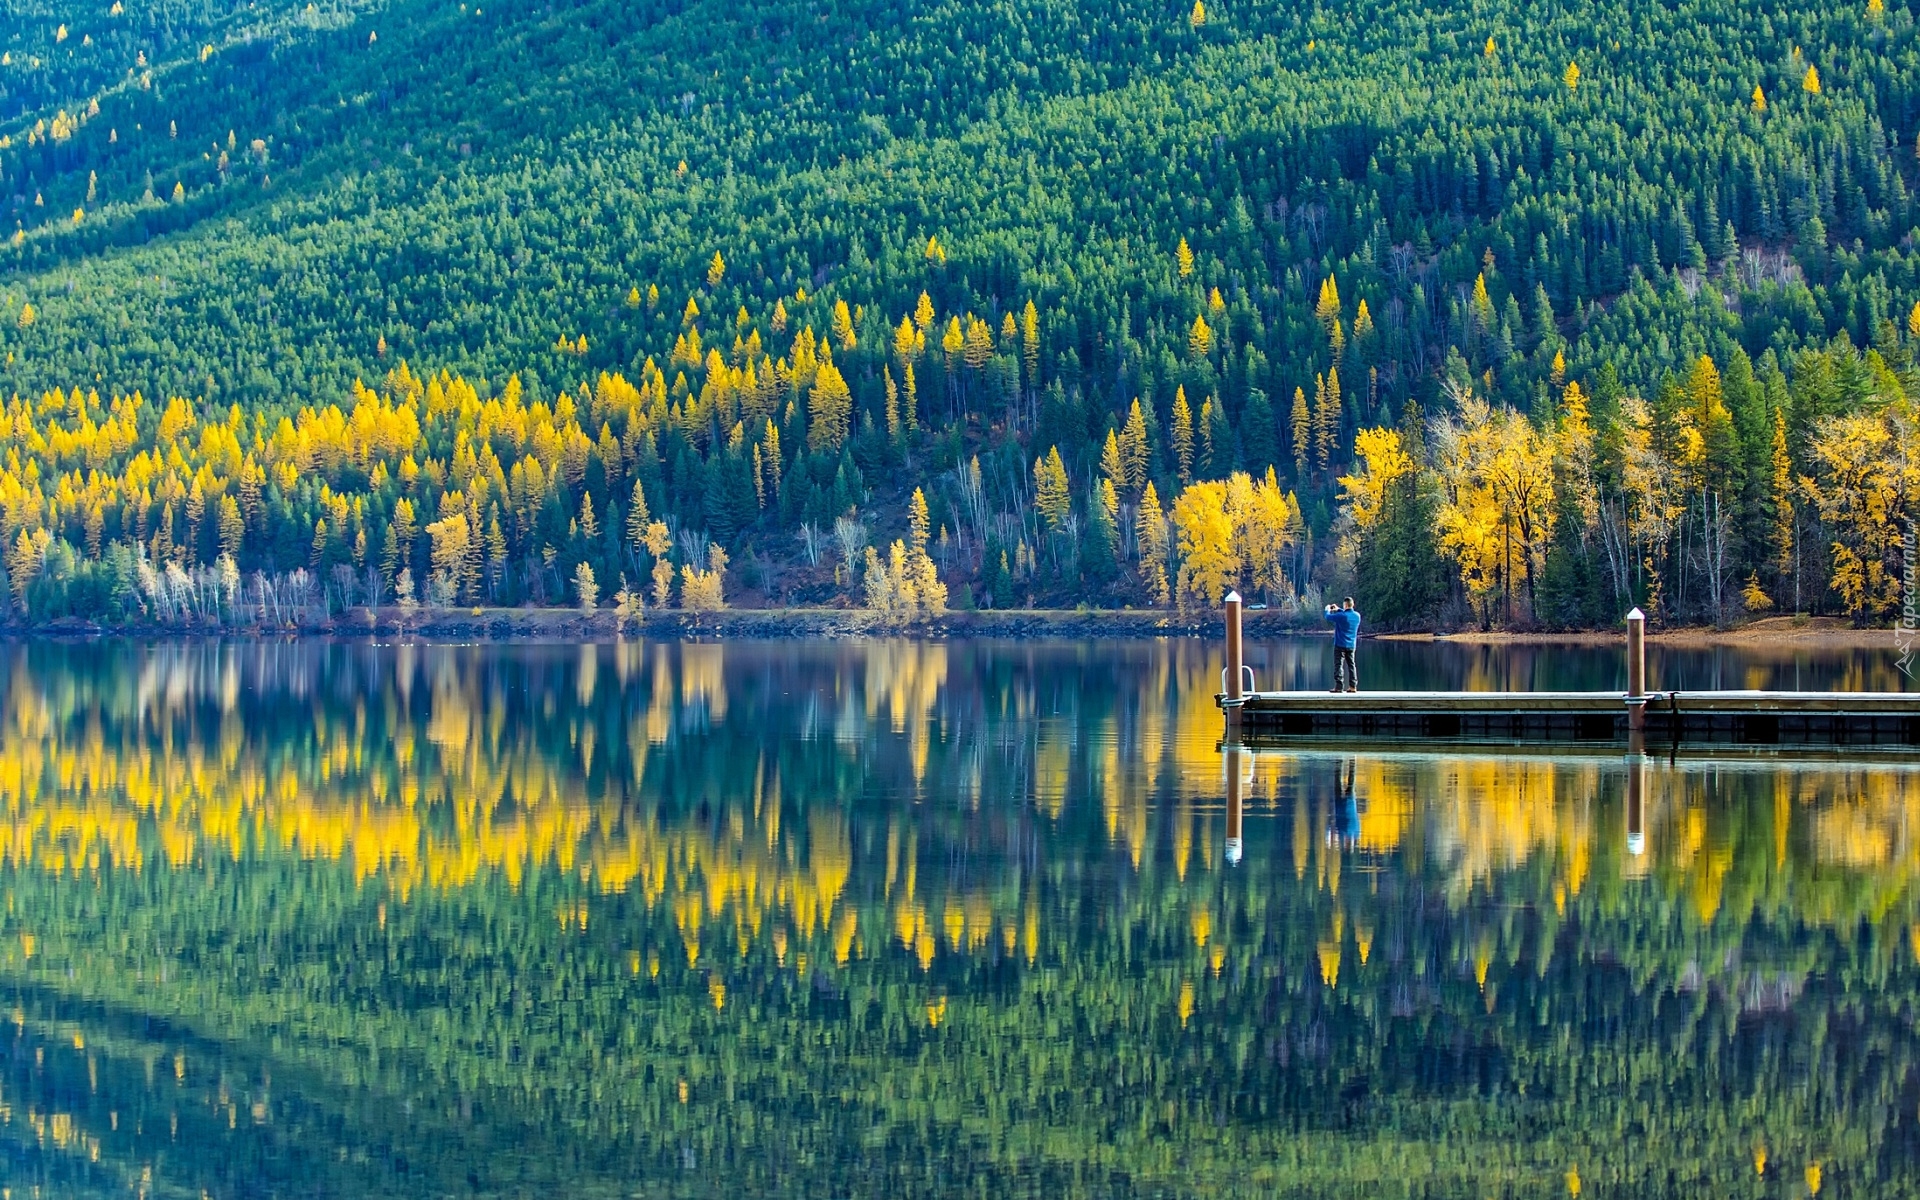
<point>1636,677</point>
<point>1236,656</point>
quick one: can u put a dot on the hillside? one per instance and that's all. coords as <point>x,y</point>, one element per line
<point>646,243</point>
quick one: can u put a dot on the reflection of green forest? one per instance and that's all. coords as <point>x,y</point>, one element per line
<point>905,918</point>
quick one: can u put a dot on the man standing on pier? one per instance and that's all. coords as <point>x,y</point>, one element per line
<point>1345,620</point>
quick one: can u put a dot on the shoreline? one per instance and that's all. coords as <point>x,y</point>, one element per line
<point>772,624</point>
<point>1810,633</point>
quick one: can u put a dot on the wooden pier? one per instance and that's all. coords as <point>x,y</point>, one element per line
<point>1637,719</point>
<point>1867,720</point>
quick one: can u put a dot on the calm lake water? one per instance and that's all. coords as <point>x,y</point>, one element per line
<point>924,919</point>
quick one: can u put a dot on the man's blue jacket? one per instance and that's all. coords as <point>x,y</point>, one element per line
<point>1346,627</point>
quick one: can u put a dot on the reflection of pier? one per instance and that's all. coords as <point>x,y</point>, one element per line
<point>1875,721</point>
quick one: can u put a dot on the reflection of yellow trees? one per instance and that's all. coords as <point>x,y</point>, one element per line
<point>1496,813</point>
<point>467,800</point>
<point>1724,841</point>
<point>426,781</point>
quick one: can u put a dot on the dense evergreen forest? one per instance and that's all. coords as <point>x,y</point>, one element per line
<point>1489,313</point>
<point>789,920</point>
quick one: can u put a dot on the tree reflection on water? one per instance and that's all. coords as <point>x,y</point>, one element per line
<point>920,918</point>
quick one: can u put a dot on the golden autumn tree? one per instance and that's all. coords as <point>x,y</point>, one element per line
<point>1052,498</point>
<point>451,537</point>
<point>1496,475</point>
<point>909,343</point>
<point>978,346</point>
<point>1112,466</point>
<point>1300,429</point>
<point>1135,451</point>
<point>1267,524</point>
<point>1866,485</point>
<point>705,591</point>
<point>829,410</point>
<point>1152,538</point>
<point>1180,436</point>
<point>1199,338</point>
<point>1326,307</point>
<point>1780,493</point>
<point>932,594</point>
<point>844,337</point>
<point>1382,462</point>
<point>1326,417</point>
<point>1209,552</point>
<point>1030,343</point>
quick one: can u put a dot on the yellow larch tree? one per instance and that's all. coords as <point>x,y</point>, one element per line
<point>843,332</point>
<point>1326,308</point>
<point>1051,495</point>
<point>1180,436</point>
<point>1209,552</point>
<point>1267,523</point>
<point>1199,338</point>
<point>1134,449</point>
<point>1326,418</point>
<point>1030,343</point>
<point>1300,425</point>
<point>1151,538</point>
<point>829,409</point>
<point>1780,499</point>
<point>978,347</point>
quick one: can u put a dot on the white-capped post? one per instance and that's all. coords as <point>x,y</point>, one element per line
<point>1636,674</point>
<point>1235,655</point>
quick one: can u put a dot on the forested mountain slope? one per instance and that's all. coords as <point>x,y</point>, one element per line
<point>1273,226</point>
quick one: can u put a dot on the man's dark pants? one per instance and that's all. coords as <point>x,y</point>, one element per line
<point>1345,673</point>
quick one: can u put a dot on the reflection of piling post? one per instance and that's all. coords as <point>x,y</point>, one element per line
<point>1636,679</point>
<point>1636,733</point>
<point>1236,757</point>
<point>1636,803</point>
<point>1233,697</point>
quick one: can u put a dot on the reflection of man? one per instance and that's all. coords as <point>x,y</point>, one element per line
<point>1343,831</point>
<point>1345,620</point>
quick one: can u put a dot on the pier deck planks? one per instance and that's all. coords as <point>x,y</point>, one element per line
<point>1868,720</point>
